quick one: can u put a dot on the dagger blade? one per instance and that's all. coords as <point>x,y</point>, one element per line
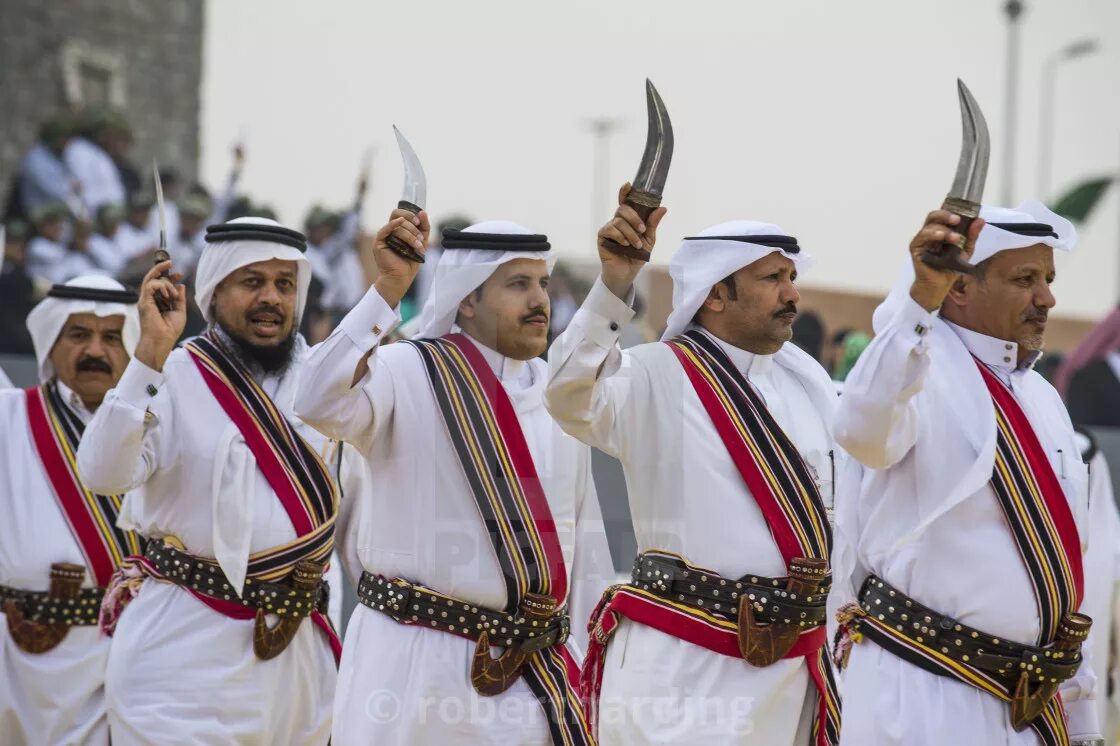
<point>415,183</point>
<point>161,210</point>
<point>976,149</point>
<point>654,167</point>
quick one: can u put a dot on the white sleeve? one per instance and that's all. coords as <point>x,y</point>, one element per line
<point>328,398</point>
<point>118,449</point>
<point>588,383</point>
<point>877,421</point>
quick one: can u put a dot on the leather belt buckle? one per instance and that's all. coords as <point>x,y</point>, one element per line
<point>558,635</point>
<point>399,599</point>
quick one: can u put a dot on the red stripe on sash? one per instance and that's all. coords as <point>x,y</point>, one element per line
<point>68,490</point>
<point>267,460</point>
<point>776,518</point>
<point>522,459</point>
<point>1052,493</point>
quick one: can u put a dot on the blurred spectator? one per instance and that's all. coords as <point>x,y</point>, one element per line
<point>1049,364</point>
<point>833,350</point>
<point>44,176</point>
<point>92,158</point>
<point>332,251</point>
<point>103,245</point>
<point>134,235</point>
<point>848,351</point>
<point>17,291</point>
<point>50,257</point>
<point>808,333</point>
<point>1090,377</point>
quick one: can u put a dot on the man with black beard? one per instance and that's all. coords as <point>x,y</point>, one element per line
<point>237,499</point>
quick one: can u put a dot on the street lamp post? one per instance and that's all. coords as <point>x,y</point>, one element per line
<point>1014,10</point>
<point>1079,48</point>
<point>601,128</point>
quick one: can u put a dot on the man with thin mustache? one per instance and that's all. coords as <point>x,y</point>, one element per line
<point>59,543</point>
<point>219,629</point>
<point>483,527</point>
<point>961,552</point>
<point>722,429</point>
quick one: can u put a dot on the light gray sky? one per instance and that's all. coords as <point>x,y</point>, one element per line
<point>838,121</point>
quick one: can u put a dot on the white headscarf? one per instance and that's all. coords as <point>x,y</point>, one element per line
<point>990,242</point>
<point>698,265</point>
<point>461,271</point>
<point>48,317</point>
<point>220,260</point>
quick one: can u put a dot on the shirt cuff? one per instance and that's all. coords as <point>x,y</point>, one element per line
<point>370,321</point>
<point>1081,714</point>
<point>914,322</point>
<point>603,314</point>
<point>138,384</point>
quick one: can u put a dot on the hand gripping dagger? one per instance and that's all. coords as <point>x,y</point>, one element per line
<point>968,185</point>
<point>161,253</point>
<point>649,184</point>
<point>413,197</point>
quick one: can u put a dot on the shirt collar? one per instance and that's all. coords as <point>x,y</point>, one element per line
<point>993,352</point>
<point>505,368</point>
<point>749,364</point>
<point>73,401</point>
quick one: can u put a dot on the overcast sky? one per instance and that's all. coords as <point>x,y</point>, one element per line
<point>838,121</point>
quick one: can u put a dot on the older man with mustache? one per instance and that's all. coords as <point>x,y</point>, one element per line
<point>723,431</point>
<point>59,543</point>
<point>964,545</point>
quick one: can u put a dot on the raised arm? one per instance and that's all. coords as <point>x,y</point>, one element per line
<point>119,447</point>
<point>588,383</point>
<point>877,421</point>
<point>343,392</point>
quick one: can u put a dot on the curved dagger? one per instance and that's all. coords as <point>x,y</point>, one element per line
<point>649,184</point>
<point>413,197</point>
<point>968,183</point>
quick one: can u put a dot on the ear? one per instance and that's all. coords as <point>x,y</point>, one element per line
<point>466,307</point>
<point>717,298</point>
<point>960,292</point>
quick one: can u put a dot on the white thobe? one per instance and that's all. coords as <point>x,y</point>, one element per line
<point>56,697</point>
<point>95,171</point>
<point>56,262</point>
<point>687,496</point>
<point>44,177</point>
<point>181,672</point>
<point>135,241</point>
<point>915,411</point>
<point>107,253</point>
<point>409,685</point>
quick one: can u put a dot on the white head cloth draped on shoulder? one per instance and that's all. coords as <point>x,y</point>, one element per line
<point>716,252</point>
<point>1026,225</point>
<point>244,241</point>
<point>97,294</point>
<point>468,259</point>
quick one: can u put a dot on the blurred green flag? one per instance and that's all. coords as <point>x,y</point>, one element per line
<point>1080,201</point>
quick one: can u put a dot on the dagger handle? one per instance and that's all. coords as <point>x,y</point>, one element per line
<point>643,203</point>
<point>948,255</point>
<point>162,256</point>
<point>399,247</point>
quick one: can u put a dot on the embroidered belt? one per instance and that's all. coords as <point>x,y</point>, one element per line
<point>39,620</point>
<point>1001,658</point>
<point>288,600</point>
<point>417,605</point>
<point>673,579</point>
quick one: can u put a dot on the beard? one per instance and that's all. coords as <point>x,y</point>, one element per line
<point>268,359</point>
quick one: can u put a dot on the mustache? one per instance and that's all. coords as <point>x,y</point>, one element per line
<point>266,308</point>
<point>91,364</point>
<point>790,307</point>
<point>1038,314</point>
<point>538,313</point>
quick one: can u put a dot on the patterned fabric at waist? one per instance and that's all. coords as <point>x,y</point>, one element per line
<point>1002,659</point>
<point>43,608</point>
<point>670,577</point>
<point>417,605</point>
<point>205,576</point>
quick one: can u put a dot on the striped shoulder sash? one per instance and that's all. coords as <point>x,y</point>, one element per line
<point>1036,510</point>
<point>495,458</point>
<point>770,464</point>
<point>92,518</point>
<point>293,469</point>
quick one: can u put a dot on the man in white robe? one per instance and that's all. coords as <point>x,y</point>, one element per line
<point>733,291</point>
<point>190,664</point>
<point>89,157</point>
<point>403,683</point>
<point>929,522</point>
<point>84,334</point>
